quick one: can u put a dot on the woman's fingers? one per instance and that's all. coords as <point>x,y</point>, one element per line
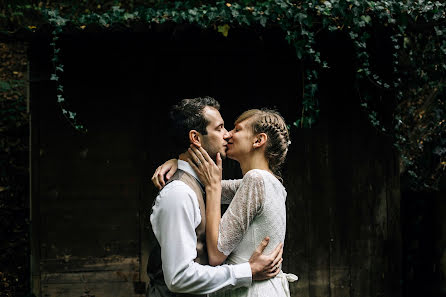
<point>205,154</point>
<point>156,173</point>
<point>194,156</point>
<point>192,164</point>
<point>198,153</point>
<point>161,173</point>
<point>155,179</point>
<point>171,169</point>
<point>171,173</point>
<point>164,172</point>
<point>219,162</point>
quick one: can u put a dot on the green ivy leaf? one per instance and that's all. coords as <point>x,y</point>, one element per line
<point>366,18</point>
<point>4,86</point>
<point>224,30</point>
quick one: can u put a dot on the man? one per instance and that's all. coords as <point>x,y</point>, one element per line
<point>177,265</point>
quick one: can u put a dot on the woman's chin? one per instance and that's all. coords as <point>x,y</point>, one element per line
<point>228,154</point>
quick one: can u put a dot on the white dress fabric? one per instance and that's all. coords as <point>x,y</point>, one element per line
<point>257,210</point>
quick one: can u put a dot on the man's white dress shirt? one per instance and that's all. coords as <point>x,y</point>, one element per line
<point>175,216</point>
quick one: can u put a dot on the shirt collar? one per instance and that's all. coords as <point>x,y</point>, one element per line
<point>183,165</point>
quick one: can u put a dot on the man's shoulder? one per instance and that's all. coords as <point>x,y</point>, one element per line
<point>175,187</point>
<point>176,192</point>
<point>175,200</point>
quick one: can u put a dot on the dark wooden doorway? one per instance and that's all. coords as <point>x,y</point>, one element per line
<point>91,194</point>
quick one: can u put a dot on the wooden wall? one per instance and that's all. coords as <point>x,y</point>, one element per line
<point>91,193</point>
<point>343,230</point>
<point>424,242</point>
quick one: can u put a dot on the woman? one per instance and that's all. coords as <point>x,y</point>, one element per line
<point>259,142</point>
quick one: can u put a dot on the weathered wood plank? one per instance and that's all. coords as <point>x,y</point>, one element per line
<point>393,272</point>
<point>369,194</point>
<point>379,230</point>
<point>296,247</point>
<point>318,242</point>
<point>93,244</point>
<point>62,170</point>
<point>338,184</point>
<point>360,243</point>
<point>97,276</point>
<point>90,289</point>
<point>88,264</point>
<point>35,228</point>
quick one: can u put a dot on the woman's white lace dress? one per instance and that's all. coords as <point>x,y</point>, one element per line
<point>257,210</point>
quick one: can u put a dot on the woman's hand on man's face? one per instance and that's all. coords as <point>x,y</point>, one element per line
<point>207,170</point>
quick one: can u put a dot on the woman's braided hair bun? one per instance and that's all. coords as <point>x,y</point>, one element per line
<point>273,125</point>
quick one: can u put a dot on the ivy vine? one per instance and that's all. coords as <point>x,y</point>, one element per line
<point>58,23</point>
<point>416,32</point>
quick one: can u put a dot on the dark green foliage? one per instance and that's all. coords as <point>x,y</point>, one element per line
<point>412,82</point>
<point>14,178</point>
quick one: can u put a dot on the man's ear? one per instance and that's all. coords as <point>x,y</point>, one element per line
<point>195,138</point>
<point>260,140</point>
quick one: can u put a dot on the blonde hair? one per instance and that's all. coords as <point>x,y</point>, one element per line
<point>273,125</point>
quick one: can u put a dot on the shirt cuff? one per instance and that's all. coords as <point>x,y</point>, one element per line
<point>243,274</point>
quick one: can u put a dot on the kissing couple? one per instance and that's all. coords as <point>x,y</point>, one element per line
<point>198,251</point>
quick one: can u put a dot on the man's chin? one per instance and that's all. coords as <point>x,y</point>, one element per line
<point>228,156</point>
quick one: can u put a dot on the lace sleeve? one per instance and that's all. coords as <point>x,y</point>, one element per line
<point>247,203</point>
<point>228,189</point>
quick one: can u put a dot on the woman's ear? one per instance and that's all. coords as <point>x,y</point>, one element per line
<point>194,138</point>
<point>260,140</point>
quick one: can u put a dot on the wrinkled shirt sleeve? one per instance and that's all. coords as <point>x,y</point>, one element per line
<point>175,216</point>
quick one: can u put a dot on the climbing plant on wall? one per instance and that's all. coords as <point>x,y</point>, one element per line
<point>14,170</point>
<point>415,30</point>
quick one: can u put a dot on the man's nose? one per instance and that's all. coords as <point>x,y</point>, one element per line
<point>227,134</point>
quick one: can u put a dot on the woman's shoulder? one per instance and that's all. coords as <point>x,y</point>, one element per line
<point>259,176</point>
<point>253,177</point>
<point>264,177</point>
<point>254,174</point>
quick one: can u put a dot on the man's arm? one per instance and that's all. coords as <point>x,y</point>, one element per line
<point>265,267</point>
<point>174,219</point>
